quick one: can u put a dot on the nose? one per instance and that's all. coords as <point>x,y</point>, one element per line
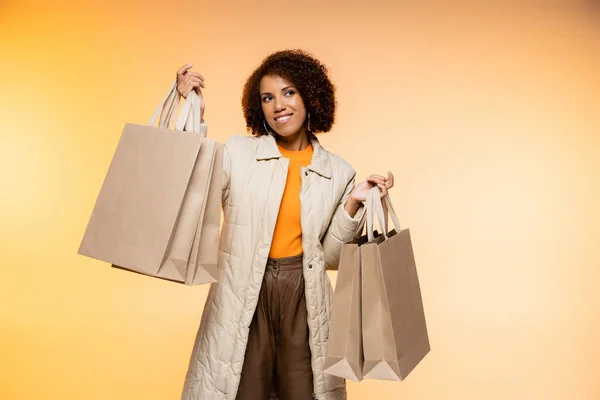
<point>279,104</point>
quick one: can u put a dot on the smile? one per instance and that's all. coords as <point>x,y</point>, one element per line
<point>283,119</point>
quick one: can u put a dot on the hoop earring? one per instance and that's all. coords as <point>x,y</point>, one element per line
<point>270,132</point>
<point>308,125</point>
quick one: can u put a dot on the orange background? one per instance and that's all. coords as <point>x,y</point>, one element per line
<point>487,113</point>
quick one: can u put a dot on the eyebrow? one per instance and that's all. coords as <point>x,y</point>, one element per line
<point>285,88</point>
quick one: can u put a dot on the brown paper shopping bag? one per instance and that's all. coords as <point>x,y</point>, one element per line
<point>394,331</point>
<point>147,212</point>
<point>344,355</point>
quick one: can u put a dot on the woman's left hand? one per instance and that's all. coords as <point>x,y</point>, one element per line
<point>359,194</point>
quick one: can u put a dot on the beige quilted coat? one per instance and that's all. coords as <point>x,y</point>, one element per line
<point>254,179</point>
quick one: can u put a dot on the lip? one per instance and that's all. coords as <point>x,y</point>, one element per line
<point>284,120</point>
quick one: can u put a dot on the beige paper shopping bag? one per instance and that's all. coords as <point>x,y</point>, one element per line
<point>394,331</point>
<point>147,211</point>
<point>202,265</point>
<point>189,220</point>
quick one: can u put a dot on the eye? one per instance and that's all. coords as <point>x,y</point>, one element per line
<point>267,98</point>
<point>290,93</point>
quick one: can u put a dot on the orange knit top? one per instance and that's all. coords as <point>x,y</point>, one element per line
<point>287,238</point>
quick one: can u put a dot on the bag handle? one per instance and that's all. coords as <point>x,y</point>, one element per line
<point>373,198</point>
<point>374,205</point>
<point>366,217</point>
<point>165,108</point>
<point>189,116</point>
<point>391,212</point>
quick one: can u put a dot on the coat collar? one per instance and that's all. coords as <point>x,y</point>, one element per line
<point>321,164</point>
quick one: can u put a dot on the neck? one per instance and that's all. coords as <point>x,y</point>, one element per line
<point>296,142</point>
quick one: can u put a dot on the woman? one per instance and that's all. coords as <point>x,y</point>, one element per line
<point>288,206</point>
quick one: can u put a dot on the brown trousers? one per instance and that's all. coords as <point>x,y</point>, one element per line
<point>277,363</point>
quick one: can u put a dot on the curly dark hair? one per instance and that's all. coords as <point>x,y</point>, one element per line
<point>309,76</point>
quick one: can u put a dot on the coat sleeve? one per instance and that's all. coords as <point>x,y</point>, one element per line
<point>342,228</point>
<point>226,175</point>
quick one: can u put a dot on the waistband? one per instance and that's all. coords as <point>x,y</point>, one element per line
<point>293,262</point>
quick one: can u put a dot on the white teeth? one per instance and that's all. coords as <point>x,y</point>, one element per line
<point>283,118</point>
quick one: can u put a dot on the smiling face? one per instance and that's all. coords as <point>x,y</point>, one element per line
<point>282,106</point>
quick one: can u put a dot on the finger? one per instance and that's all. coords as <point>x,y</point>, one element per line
<point>376,179</point>
<point>377,176</point>
<point>389,181</point>
<point>383,190</point>
<point>195,74</point>
<point>182,70</point>
<point>196,82</point>
<point>195,85</point>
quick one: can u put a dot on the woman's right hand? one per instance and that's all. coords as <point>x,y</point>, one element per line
<point>188,80</point>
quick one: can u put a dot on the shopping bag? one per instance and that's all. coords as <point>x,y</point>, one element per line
<point>203,262</point>
<point>344,354</point>
<point>195,249</point>
<point>395,337</point>
<point>147,212</point>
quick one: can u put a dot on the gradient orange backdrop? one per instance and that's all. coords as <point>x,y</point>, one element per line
<point>487,113</point>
